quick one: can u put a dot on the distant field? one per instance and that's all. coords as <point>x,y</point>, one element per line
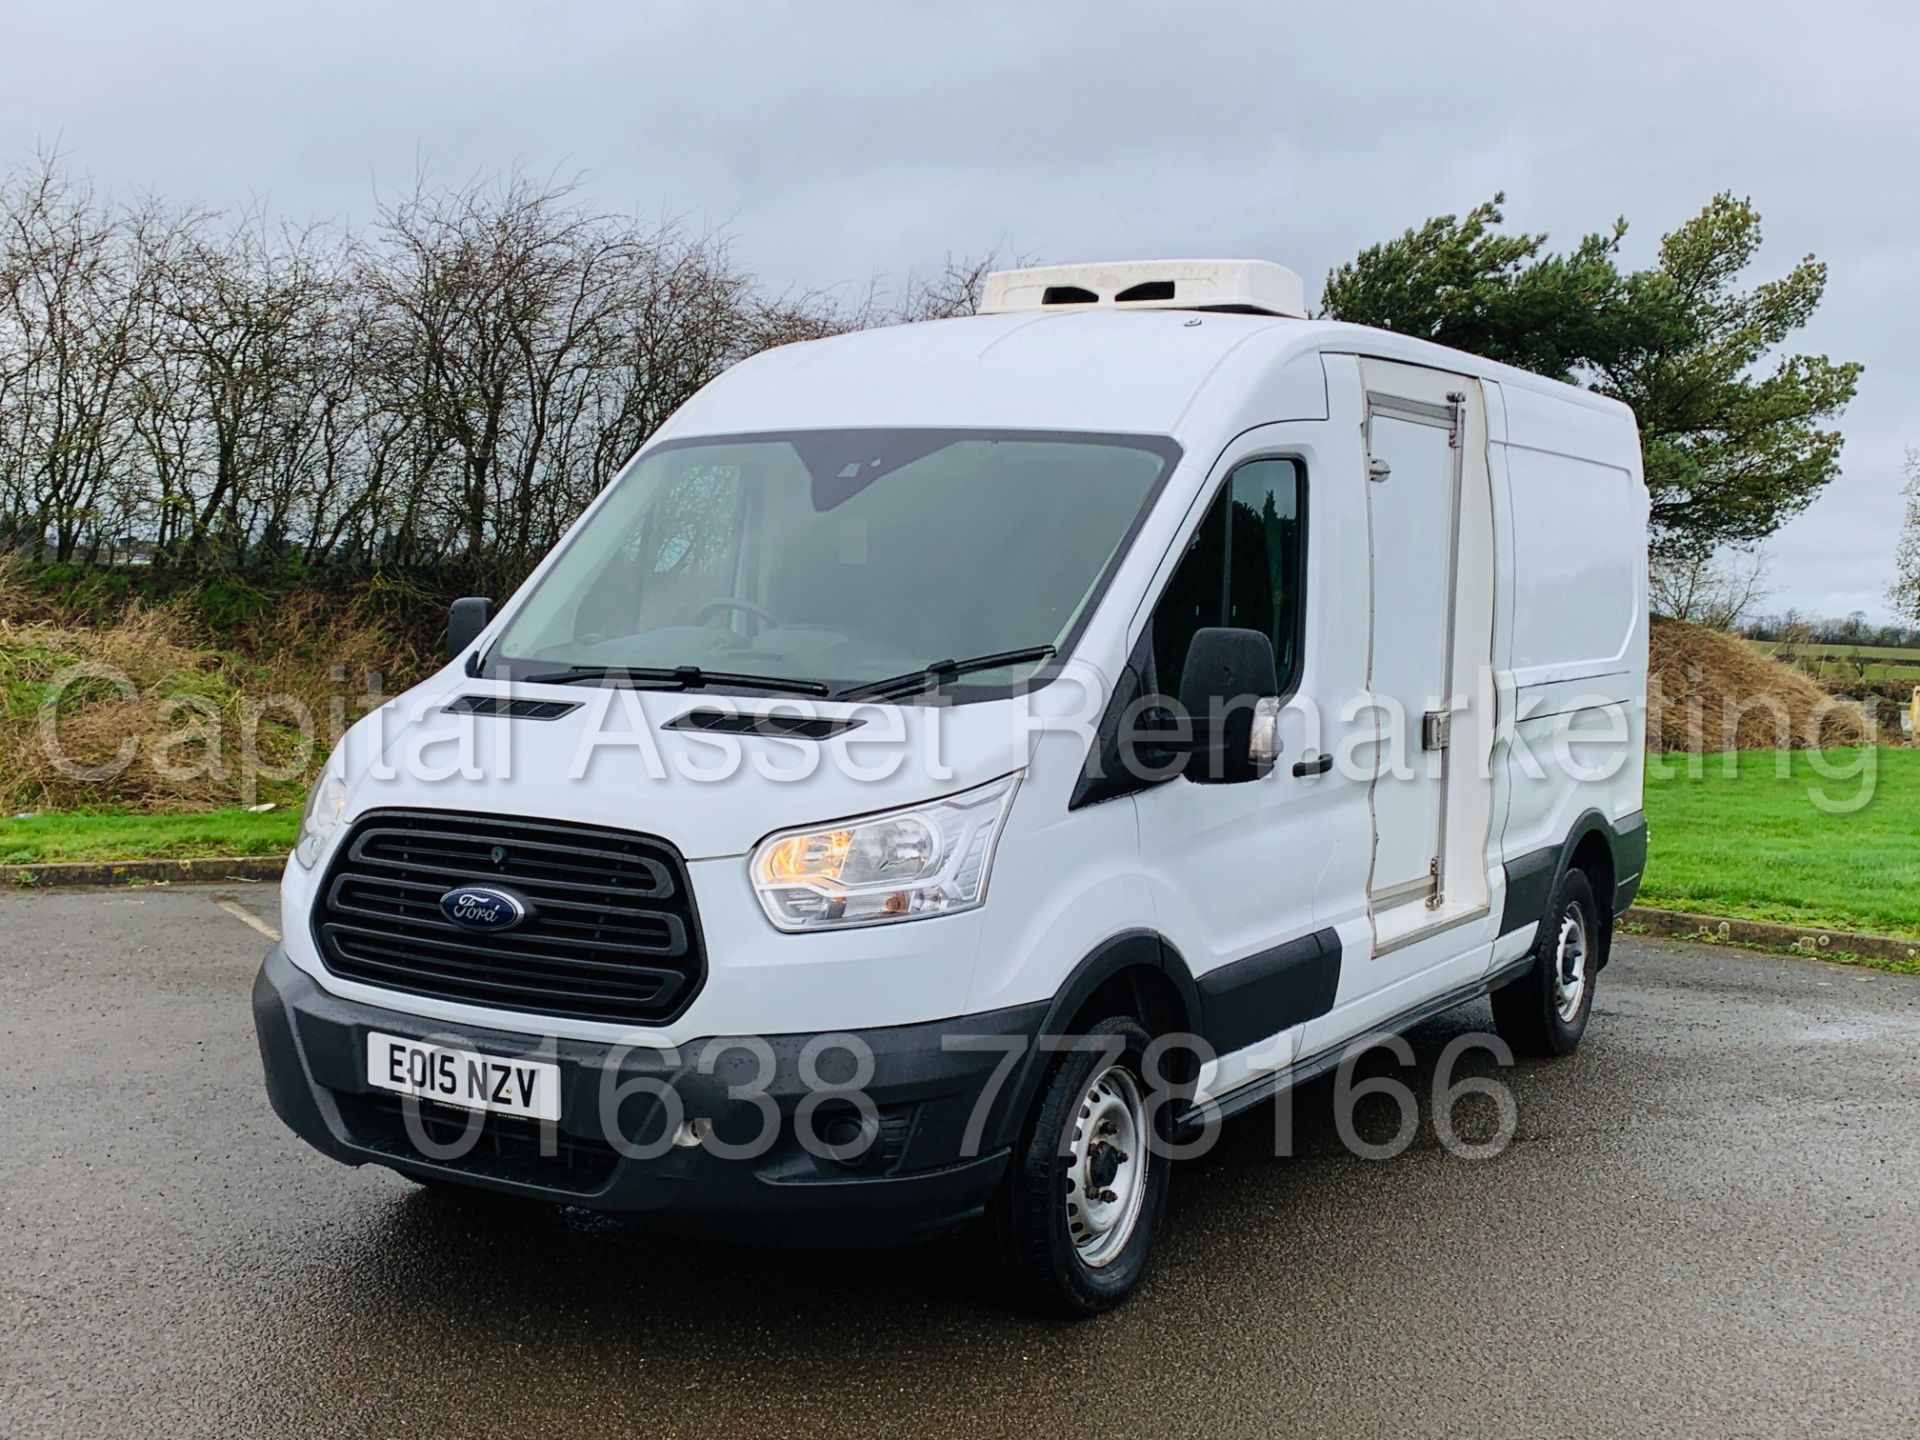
<point>1840,670</point>
<point>1844,668</point>
<point>1757,846</point>
<point>1893,654</point>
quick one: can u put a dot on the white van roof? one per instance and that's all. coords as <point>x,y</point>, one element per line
<point>1087,370</point>
<point>1082,368</point>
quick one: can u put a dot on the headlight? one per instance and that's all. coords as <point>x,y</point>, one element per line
<point>325,806</point>
<point>904,865</point>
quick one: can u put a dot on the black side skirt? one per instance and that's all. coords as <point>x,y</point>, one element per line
<point>1221,1107</point>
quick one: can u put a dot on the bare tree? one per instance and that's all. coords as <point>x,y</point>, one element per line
<point>1718,592</point>
<point>689,314</point>
<point>531,345</point>
<point>446,390</point>
<point>1904,594</point>
<point>239,378</point>
<point>71,300</point>
<point>955,290</point>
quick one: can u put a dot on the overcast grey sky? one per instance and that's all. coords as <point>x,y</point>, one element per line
<point>838,140</point>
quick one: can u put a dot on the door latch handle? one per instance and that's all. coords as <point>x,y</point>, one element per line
<point>1312,765</point>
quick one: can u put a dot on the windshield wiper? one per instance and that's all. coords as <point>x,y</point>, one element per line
<point>680,677</point>
<point>931,675</point>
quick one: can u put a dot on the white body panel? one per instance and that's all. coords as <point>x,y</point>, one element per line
<point>1544,567</point>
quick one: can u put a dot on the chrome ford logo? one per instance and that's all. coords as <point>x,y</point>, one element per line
<point>483,907</point>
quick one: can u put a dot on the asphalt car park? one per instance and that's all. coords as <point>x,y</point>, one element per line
<point>1705,1224</point>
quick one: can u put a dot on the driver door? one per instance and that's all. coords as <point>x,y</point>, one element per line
<point>1235,867</point>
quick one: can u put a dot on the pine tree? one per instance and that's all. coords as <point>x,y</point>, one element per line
<point>1734,434</point>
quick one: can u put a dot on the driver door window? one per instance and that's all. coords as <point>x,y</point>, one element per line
<point>1243,568</point>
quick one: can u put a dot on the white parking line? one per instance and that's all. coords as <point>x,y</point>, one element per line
<point>247,917</point>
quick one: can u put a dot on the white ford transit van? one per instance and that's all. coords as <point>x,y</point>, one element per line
<point>955,764</point>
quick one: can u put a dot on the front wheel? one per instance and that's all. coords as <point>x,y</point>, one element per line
<point>1545,1011</point>
<point>1085,1191</point>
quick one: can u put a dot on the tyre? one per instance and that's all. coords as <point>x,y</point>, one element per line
<point>1545,1011</point>
<point>1086,1188</point>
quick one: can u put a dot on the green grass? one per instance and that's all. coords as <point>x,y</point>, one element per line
<point>1835,844</point>
<point>51,839</point>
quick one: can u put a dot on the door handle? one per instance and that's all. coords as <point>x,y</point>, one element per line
<point>1312,765</point>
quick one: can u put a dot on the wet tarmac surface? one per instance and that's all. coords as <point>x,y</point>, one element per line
<point>1707,1223</point>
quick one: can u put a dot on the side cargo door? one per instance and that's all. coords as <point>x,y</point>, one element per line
<point>1430,537</point>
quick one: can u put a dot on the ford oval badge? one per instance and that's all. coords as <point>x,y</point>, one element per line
<point>483,907</point>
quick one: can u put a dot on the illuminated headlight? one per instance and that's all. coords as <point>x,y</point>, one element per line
<point>325,806</point>
<point>904,865</point>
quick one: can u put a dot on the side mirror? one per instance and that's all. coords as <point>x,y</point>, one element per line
<point>466,618</point>
<point>1230,689</point>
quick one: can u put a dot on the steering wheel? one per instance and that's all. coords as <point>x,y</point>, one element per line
<point>734,602</point>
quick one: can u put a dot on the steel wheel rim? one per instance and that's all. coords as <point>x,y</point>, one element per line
<point>1570,963</point>
<point>1106,1183</point>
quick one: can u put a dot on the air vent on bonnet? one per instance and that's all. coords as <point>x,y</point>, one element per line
<point>510,708</point>
<point>785,727</point>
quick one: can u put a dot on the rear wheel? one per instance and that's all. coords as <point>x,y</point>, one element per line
<point>1545,1011</point>
<point>1085,1191</point>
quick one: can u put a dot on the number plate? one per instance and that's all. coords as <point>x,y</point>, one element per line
<point>464,1077</point>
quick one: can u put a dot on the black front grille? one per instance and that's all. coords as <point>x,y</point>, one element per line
<point>501,1147</point>
<point>610,932</point>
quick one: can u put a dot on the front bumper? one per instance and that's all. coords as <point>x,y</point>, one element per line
<point>919,1173</point>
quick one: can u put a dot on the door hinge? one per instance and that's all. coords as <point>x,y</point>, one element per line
<point>1433,869</point>
<point>1378,470</point>
<point>1458,400</point>
<point>1436,729</point>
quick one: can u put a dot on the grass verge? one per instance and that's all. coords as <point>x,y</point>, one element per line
<point>1826,839</point>
<point>52,839</point>
<point>1706,936</point>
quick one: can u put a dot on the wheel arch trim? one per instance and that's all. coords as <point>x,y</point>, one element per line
<point>1533,879</point>
<point>1135,950</point>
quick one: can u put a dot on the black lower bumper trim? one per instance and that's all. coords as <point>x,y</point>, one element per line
<point>818,1169</point>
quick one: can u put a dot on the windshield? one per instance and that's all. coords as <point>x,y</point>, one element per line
<point>843,555</point>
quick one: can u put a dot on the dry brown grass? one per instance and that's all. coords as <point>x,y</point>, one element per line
<point>141,714</point>
<point>188,716</point>
<point>1709,691</point>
